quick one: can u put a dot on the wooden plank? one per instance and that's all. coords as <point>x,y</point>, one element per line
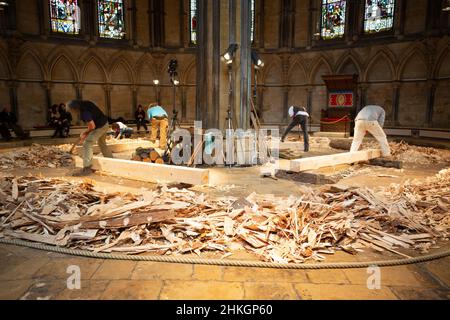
<point>120,147</point>
<point>149,172</point>
<point>48,239</point>
<point>313,163</point>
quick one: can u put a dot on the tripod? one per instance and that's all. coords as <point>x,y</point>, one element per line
<point>174,122</point>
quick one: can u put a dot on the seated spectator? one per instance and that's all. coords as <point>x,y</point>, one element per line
<point>54,120</point>
<point>53,116</point>
<point>65,119</point>
<point>4,132</point>
<point>139,115</point>
<point>8,121</point>
<point>121,130</point>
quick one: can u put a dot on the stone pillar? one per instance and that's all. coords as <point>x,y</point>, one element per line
<point>245,63</point>
<point>108,89</point>
<point>309,91</point>
<point>79,90</point>
<point>48,93</point>
<point>13,95</point>
<point>219,25</point>
<point>431,92</point>
<point>395,102</point>
<point>285,103</point>
<point>183,103</point>
<point>362,97</point>
<point>134,32</point>
<point>261,91</point>
<point>134,90</point>
<point>285,76</point>
<point>399,22</point>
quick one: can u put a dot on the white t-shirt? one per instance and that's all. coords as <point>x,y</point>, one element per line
<point>299,113</point>
<point>121,125</point>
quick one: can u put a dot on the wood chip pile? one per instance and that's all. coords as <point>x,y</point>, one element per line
<point>402,151</point>
<point>37,156</point>
<point>178,221</point>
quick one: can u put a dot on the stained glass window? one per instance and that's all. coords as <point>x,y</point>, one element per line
<point>65,16</point>
<point>379,15</point>
<point>111,19</point>
<point>193,21</point>
<point>252,20</point>
<point>333,18</point>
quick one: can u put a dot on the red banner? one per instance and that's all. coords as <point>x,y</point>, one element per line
<point>344,99</point>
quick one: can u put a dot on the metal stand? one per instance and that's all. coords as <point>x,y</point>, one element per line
<point>230,98</point>
<point>174,122</point>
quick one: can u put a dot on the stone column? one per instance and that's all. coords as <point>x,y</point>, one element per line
<point>134,32</point>
<point>245,63</point>
<point>261,91</point>
<point>219,25</point>
<point>362,96</point>
<point>309,91</point>
<point>79,90</point>
<point>285,103</point>
<point>285,76</point>
<point>134,90</point>
<point>13,95</point>
<point>395,102</point>
<point>431,92</point>
<point>48,93</point>
<point>399,22</point>
<point>108,88</point>
<point>183,103</point>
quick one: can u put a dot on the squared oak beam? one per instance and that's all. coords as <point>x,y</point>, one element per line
<point>333,160</point>
<point>120,147</point>
<point>149,172</point>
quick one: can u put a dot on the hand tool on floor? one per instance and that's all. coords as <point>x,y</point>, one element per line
<point>74,145</point>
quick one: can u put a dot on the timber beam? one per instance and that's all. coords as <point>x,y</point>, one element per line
<point>313,163</point>
<point>148,172</point>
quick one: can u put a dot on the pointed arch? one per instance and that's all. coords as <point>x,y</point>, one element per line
<point>94,71</point>
<point>413,65</point>
<point>189,74</point>
<point>273,73</point>
<point>30,66</point>
<point>348,62</point>
<point>5,67</point>
<point>297,73</point>
<point>121,71</point>
<point>145,70</point>
<point>62,68</point>
<point>321,67</point>
<point>441,68</point>
<point>385,65</point>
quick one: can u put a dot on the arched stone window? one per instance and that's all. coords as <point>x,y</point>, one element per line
<point>65,16</point>
<point>193,18</point>
<point>111,15</point>
<point>379,15</point>
<point>333,18</point>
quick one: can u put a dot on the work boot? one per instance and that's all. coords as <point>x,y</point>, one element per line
<point>84,172</point>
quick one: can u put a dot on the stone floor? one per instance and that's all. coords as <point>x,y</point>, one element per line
<point>32,274</point>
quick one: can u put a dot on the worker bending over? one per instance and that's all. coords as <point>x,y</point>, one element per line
<point>121,130</point>
<point>97,130</point>
<point>371,119</point>
<point>299,117</point>
<point>159,121</point>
